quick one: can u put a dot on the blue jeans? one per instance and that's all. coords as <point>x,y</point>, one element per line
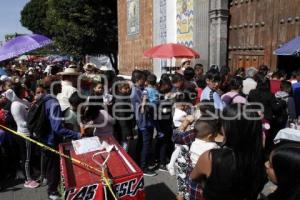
<point>144,143</point>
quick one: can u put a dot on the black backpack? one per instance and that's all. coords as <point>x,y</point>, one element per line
<point>228,99</point>
<point>37,121</point>
<point>280,114</point>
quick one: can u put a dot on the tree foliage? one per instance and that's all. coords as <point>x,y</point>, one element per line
<point>33,16</point>
<point>78,27</point>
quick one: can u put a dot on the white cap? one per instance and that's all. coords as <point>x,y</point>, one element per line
<point>4,78</point>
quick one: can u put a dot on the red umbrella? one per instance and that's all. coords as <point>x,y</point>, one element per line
<point>171,50</point>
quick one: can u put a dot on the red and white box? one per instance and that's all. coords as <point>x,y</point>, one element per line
<point>81,183</point>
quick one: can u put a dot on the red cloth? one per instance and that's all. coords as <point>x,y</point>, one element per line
<point>275,86</point>
<point>3,117</point>
<point>199,93</point>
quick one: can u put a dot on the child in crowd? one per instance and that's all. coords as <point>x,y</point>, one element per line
<point>178,83</point>
<point>209,93</point>
<point>206,131</point>
<point>189,81</point>
<point>150,91</point>
<point>151,99</point>
<point>123,113</point>
<point>199,71</point>
<point>98,88</point>
<point>182,106</point>
<point>144,122</point>
<point>39,92</point>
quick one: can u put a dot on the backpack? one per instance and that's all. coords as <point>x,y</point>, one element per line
<point>228,99</point>
<point>37,121</point>
<point>280,114</point>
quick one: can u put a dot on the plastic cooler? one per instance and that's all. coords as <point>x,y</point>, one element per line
<point>80,183</point>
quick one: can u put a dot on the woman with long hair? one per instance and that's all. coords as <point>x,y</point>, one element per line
<point>19,110</point>
<point>97,120</point>
<point>283,170</point>
<point>272,109</point>
<point>235,171</point>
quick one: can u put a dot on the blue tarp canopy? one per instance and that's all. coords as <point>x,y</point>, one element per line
<point>290,48</point>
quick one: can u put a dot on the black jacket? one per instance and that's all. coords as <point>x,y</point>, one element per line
<point>124,116</point>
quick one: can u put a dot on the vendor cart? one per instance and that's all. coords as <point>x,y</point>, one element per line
<point>125,176</point>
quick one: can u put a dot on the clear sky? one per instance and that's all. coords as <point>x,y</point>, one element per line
<point>10,17</point>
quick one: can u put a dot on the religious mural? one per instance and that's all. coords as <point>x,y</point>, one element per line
<point>133,17</point>
<point>185,22</point>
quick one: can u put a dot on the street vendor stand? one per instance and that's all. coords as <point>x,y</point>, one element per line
<point>170,51</point>
<point>125,176</point>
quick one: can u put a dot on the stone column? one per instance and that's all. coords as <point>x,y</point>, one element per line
<point>159,31</point>
<point>218,15</point>
<point>201,30</point>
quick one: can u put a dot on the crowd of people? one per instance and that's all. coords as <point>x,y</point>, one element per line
<point>214,131</point>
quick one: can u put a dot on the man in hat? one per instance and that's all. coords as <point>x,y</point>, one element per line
<point>185,63</point>
<point>89,69</point>
<point>68,86</point>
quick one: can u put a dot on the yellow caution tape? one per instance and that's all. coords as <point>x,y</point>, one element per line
<point>75,161</point>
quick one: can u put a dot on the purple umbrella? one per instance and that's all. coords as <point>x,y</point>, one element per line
<point>22,44</point>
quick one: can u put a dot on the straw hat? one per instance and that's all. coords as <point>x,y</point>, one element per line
<point>185,60</point>
<point>21,69</point>
<point>89,67</point>
<point>69,72</point>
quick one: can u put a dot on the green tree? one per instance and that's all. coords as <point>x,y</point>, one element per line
<point>79,27</point>
<point>33,16</point>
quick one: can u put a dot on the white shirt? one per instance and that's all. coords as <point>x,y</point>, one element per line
<point>178,117</point>
<point>218,103</point>
<point>66,91</point>
<point>19,111</point>
<point>199,147</point>
<point>248,85</point>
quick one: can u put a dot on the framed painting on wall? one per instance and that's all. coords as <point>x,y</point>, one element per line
<point>185,22</point>
<point>133,17</point>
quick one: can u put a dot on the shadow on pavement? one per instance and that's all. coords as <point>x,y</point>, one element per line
<point>9,185</point>
<point>159,192</point>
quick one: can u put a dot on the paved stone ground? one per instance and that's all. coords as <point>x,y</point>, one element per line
<point>161,187</point>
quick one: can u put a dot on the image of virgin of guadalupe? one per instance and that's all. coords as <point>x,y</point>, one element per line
<point>184,24</point>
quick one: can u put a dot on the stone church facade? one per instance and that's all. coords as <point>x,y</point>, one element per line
<point>237,33</point>
<point>199,24</point>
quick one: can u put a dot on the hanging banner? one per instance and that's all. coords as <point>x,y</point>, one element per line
<point>185,22</point>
